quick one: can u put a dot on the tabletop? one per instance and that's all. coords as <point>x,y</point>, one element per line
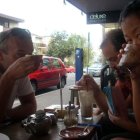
<point>16,132</point>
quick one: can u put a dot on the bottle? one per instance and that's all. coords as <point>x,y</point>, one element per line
<point>70,118</point>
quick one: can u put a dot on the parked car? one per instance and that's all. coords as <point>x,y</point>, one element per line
<point>49,74</point>
<point>70,69</point>
<point>94,70</point>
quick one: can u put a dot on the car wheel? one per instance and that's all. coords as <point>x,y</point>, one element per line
<point>34,85</point>
<point>63,82</point>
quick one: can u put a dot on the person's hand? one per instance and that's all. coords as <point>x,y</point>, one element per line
<point>115,119</point>
<point>87,83</point>
<point>121,51</point>
<point>132,60</point>
<point>123,123</point>
<point>22,67</point>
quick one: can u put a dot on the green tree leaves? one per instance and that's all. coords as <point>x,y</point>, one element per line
<point>63,46</point>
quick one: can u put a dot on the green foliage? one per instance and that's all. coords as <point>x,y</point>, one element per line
<point>63,46</point>
<point>88,56</point>
<point>58,46</point>
<point>78,41</point>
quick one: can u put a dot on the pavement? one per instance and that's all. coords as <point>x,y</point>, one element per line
<point>52,96</point>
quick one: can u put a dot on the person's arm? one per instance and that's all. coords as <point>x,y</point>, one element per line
<point>100,99</point>
<point>125,87</point>
<point>6,86</point>
<point>135,80</point>
<point>90,84</point>
<point>136,99</point>
<point>124,123</point>
<point>28,106</point>
<point>129,101</point>
<point>18,69</point>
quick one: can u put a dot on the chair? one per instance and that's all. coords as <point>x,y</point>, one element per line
<point>107,76</point>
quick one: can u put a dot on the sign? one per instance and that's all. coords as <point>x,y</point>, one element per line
<point>78,63</point>
<point>103,17</point>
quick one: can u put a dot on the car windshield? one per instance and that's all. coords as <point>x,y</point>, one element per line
<point>96,65</point>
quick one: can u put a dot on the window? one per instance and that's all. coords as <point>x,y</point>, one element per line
<point>56,63</point>
<point>45,62</point>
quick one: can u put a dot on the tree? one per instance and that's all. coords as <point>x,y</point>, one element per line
<point>63,46</point>
<point>78,41</point>
<point>58,45</point>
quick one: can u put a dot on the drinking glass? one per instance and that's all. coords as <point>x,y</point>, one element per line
<point>86,103</point>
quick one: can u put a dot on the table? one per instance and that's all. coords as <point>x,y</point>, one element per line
<point>16,132</point>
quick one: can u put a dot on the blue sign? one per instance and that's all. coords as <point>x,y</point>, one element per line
<point>78,63</point>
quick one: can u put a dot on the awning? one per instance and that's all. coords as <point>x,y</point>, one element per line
<point>88,6</point>
<point>100,11</point>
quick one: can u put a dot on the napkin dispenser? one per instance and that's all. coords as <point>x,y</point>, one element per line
<point>39,123</point>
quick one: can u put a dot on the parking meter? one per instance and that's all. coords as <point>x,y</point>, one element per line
<point>78,63</point>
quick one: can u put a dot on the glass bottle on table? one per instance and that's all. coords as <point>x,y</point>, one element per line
<point>70,118</point>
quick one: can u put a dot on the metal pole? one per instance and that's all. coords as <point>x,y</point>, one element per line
<point>88,51</point>
<point>61,96</point>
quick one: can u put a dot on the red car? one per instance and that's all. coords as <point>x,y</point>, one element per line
<point>70,69</point>
<point>51,72</point>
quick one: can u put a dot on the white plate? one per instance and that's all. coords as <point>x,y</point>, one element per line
<point>4,137</point>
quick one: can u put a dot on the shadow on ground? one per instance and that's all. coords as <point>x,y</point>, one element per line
<point>45,90</point>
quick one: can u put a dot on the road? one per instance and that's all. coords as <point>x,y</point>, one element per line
<point>52,95</point>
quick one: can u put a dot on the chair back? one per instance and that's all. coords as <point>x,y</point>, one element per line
<point>107,76</point>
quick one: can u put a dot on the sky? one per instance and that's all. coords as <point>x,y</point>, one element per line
<point>44,17</point>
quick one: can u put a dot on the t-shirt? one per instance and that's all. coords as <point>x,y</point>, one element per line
<point>116,78</point>
<point>22,87</point>
<point>125,87</point>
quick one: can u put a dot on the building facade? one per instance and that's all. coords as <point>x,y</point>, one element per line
<point>39,42</point>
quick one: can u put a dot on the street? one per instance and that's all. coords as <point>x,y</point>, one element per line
<point>51,96</point>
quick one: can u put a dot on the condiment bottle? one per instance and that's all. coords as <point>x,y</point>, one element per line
<point>70,117</point>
